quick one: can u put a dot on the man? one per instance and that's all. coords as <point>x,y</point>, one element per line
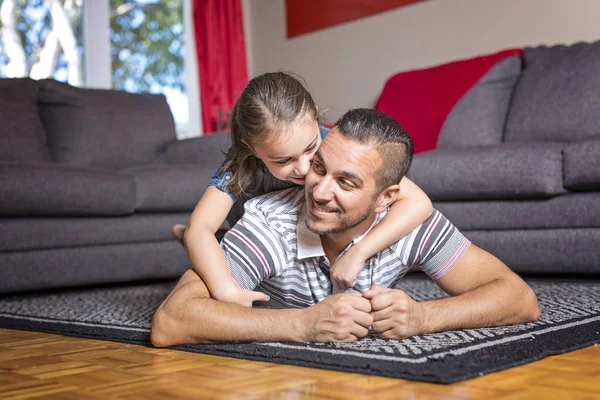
<point>286,241</point>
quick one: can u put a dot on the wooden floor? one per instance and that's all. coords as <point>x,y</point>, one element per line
<point>42,366</point>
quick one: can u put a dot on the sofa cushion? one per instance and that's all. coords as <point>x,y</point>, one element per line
<point>421,99</point>
<point>582,165</point>
<point>92,265</point>
<point>21,234</point>
<point>479,116</point>
<point>104,128</point>
<point>54,190</point>
<point>205,150</point>
<point>504,171</point>
<point>170,188</point>
<point>571,210</point>
<point>558,95</point>
<point>22,135</point>
<point>566,251</point>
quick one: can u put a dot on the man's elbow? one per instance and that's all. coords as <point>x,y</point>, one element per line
<point>161,333</point>
<point>531,309</point>
<point>534,308</point>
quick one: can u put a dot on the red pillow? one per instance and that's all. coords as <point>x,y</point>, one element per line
<point>422,99</point>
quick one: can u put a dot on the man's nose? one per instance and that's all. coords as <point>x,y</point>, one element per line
<point>322,191</point>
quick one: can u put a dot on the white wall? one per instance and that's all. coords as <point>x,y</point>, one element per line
<point>346,66</point>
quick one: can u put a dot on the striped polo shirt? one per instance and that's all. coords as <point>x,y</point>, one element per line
<point>270,249</point>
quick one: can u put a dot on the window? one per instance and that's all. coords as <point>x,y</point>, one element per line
<point>148,52</point>
<point>145,50</point>
<point>41,41</point>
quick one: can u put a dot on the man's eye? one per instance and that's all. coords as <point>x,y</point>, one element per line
<point>345,184</point>
<point>317,167</point>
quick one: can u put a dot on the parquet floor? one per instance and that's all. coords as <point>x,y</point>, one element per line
<point>43,366</point>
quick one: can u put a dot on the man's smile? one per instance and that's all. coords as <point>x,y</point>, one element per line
<point>319,210</point>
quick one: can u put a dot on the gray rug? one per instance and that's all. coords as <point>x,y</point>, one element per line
<point>570,320</point>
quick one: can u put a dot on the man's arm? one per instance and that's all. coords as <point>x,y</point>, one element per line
<point>189,315</point>
<point>485,292</point>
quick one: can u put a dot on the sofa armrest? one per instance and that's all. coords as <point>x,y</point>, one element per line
<point>205,150</point>
<point>492,172</point>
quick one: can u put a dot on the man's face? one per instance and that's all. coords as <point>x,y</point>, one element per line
<point>340,186</point>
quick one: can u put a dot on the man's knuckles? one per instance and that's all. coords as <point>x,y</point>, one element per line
<point>353,299</point>
<point>379,303</point>
<point>342,311</point>
<point>397,300</point>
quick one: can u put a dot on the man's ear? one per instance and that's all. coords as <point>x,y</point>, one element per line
<point>387,198</point>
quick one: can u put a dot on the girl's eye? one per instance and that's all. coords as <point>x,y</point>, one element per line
<point>310,150</point>
<point>283,162</point>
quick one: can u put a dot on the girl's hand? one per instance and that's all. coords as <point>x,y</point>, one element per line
<point>240,296</point>
<point>345,270</point>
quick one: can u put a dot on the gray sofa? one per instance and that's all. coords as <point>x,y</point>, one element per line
<point>530,191</point>
<point>91,182</point>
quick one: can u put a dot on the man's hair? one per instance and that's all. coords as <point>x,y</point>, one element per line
<point>374,128</point>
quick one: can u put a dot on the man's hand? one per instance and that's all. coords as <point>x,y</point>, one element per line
<point>339,318</point>
<point>345,270</point>
<point>395,314</point>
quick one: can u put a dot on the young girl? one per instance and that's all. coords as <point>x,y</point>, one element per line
<point>275,133</point>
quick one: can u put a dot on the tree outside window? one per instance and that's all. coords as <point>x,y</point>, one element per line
<point>41,39</point>
<point>44,39</point>
<point>147,50</point>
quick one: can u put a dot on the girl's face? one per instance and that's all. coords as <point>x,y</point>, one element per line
<point>289,157</point>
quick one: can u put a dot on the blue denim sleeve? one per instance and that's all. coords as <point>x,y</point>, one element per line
<point>324,131</point>
<point>221,180</point>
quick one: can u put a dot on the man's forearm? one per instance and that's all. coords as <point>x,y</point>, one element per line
<point>189,315</point>
<point>503,301</point>
<point>218,322</point>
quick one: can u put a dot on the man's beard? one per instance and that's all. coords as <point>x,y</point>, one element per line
<point>344,225</point>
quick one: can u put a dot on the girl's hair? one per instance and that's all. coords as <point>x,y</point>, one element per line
<point>267,106</point>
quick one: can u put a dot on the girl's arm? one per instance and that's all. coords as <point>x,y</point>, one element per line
<point>205,254</point>
<point>411,208</point>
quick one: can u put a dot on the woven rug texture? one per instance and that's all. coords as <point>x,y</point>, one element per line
<point>570,320</point>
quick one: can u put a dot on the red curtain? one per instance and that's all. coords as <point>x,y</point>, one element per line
<point>222,68</point>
